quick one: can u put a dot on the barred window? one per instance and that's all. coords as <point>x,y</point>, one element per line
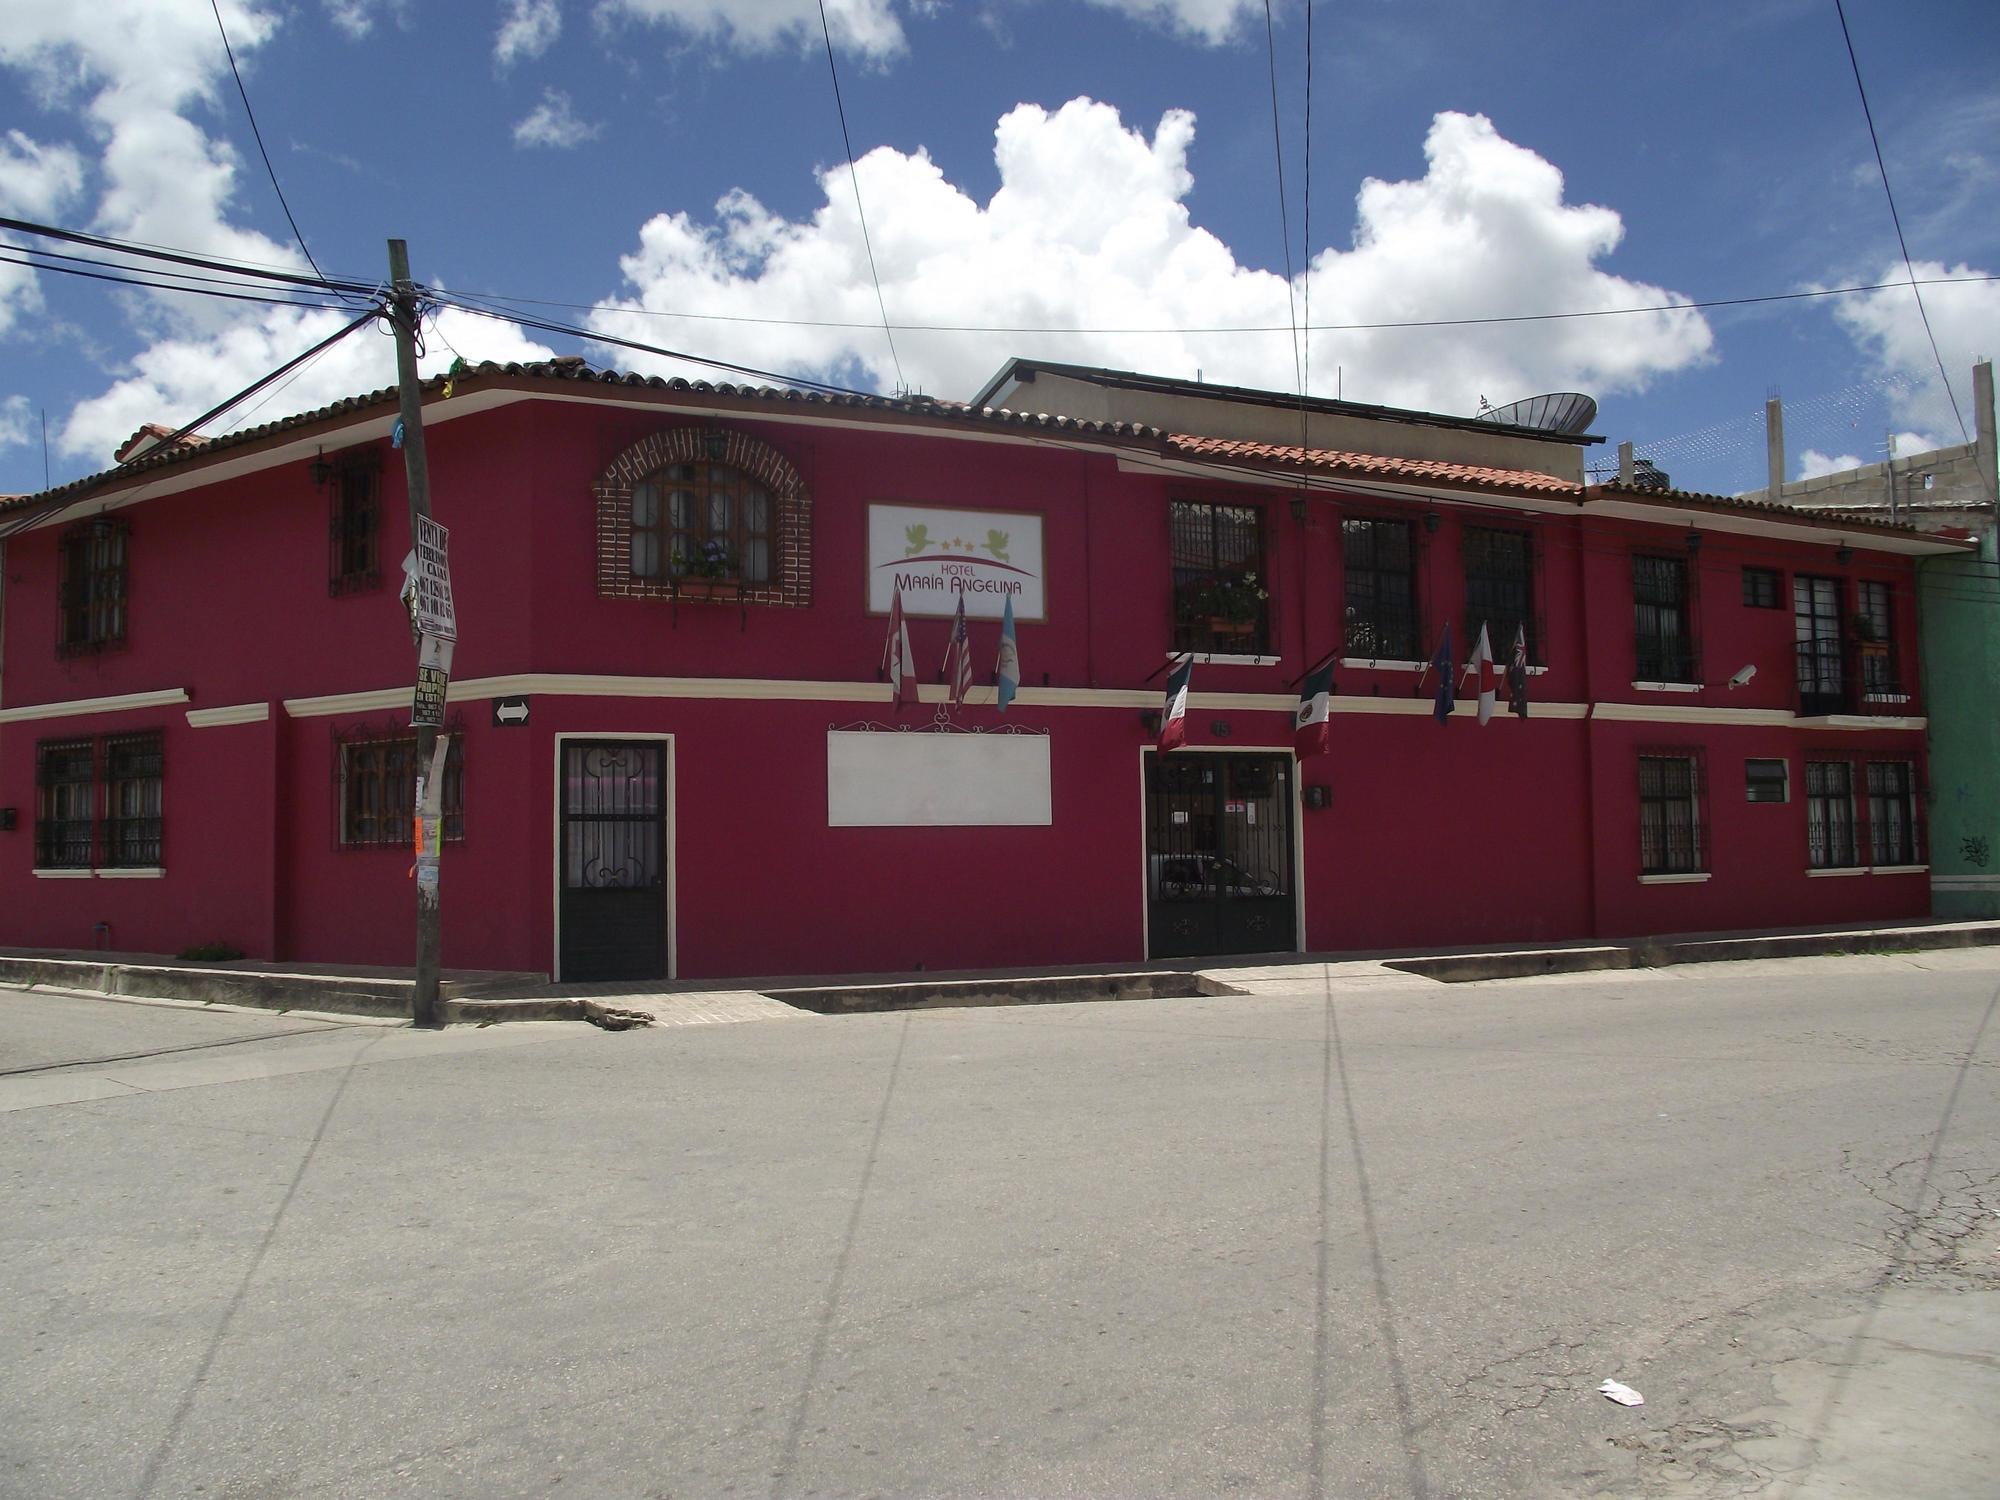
<point>1500,588</point>
<point>65,804</point>
<point>1821,647</point>
<point>378,791</point>
<point>91,588</point>
<point>1379,574</point>
<point>1760,588</point>
<point>1830,815</point>
<point>1893,830</point>
<point>354,525</point>
<point>1665,643</point>
<point>133,766</point>
<point>701,519</point>
<point>1874,624</point>
<point>1670,831</point>
<point>1221,592</point>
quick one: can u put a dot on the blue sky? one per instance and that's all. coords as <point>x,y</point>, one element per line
<point>1096,165</point>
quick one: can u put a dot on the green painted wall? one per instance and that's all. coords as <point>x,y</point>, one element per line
<point>1960,602</point>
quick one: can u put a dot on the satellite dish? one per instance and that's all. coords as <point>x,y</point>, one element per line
<point>1567,412</point>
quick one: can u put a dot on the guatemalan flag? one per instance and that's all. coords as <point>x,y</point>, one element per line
<point>1485,679</point>
<point>896,658</point>
<point>1312,725</point>
<point>1173,720</point>
<point>1443,665</point>
<point>1007,672</point>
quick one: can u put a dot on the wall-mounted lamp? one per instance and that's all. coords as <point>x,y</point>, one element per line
<point>1298,510</point>
<point>1319,797</point>
<point>1844,554</point>
<point>320,470</point>
<point>1432,520</point>
<point>100,526</point>
<point>9,820</point>
<point>1694,541</point>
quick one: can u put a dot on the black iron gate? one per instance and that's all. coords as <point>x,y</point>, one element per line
<point>1219,854</point>
<point>613,906</point>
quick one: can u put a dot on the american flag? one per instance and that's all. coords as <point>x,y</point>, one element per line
<point>958,657</point>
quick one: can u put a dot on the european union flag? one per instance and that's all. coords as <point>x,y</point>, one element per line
<point>1442,665</point>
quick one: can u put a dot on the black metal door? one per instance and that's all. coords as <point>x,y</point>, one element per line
<point>1219,854</point>
<point>613,906</point>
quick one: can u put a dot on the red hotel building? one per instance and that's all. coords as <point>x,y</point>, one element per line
<point>673,753</point>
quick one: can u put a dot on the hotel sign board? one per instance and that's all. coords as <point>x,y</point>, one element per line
<point>984,557</point>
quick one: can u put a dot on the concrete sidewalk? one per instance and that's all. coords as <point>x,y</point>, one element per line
<point>484,997</point>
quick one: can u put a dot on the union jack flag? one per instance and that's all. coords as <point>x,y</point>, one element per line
<point>958,657</point>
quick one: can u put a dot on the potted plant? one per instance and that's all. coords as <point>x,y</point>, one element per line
<point>1862,626</point>
<point>1227,604</point>
<point>709,571</point>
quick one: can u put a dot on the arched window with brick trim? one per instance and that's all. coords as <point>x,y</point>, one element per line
<point>703,503</point>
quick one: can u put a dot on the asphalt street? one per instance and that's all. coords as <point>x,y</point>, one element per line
<point>1324,1241</point>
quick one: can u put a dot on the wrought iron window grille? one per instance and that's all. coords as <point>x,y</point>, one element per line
<point>1830,822</point>
<point>91,588</point>
<point>1673,836</point>
<point>66,804</point>
<point>1895,814</point>
<point>375,786</point>
<point>1500,590</point>
<point>1380,620</point>
<point>1761,588</point>
<point>1664,643</point>
<point>99,802</point>
<point>1221,591</point>
<point>134,781</point>
<point>354,526</point>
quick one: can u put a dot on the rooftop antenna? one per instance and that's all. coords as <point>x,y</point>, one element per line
<point>45,449</point>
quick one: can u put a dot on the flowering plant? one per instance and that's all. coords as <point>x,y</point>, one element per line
<point>1235,597</point>
<point>710,560</point>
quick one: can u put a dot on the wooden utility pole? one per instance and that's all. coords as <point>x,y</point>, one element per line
<point>403,315</point>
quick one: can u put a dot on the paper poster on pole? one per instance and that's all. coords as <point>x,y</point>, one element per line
<point>433,678</point>
<point>430,582</point>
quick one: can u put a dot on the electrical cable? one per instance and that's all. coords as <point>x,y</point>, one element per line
<point>854,181</point>
<point>165,286</point>
<point>258,135</point>
<point>1897,219</point>
<point>119,265</point>
<point>179,257</point>
<point>1284,217</point>
<point>511,299</point>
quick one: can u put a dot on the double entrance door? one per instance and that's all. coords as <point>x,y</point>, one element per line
<point>612,860</point>
<point>1219,875</point>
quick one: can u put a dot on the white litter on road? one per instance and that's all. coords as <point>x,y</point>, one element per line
<point>1624,1395</point>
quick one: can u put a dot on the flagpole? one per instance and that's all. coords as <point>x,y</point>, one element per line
<point>1322,661</point>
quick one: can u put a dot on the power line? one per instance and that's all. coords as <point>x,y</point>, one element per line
<point>258,135</point>
<point>854,181</point>
<point>505,299</point>
<point>184,258</point>
<point>1897,221</point>
<point>1284,217</point>
<point>163,286</point>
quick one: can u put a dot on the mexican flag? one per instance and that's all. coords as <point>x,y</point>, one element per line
<point>1312,726</point>
<point>896,658</point>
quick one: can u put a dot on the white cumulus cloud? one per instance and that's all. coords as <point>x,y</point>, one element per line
<point>1965,318</point>
<point>555,123</point>
<point>1813,463</point>
<point>16,422</point>
<point>869,27</point>
<point>1090,229</point>
<point>37,182</point>
<point>1209,21</point>
<point>529,29</point>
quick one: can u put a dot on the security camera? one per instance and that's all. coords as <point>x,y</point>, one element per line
<point>1742,676</point>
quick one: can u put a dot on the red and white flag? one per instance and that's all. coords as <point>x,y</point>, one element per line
<point>958,657</point>
<point>1481,667</point>
<point>1173,719</point>
<point>896,658</point>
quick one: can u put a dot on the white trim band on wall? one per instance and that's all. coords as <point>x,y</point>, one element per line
<point>217,718</point>
<point>76,707</point>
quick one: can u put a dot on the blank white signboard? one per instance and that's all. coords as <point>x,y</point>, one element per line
<point>886,779</point>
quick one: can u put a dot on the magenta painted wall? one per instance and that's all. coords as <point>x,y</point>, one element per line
<point>1435,834</point>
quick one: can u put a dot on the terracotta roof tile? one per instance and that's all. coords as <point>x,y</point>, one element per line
<point>1334,461</point>
<point>1694,500</point>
